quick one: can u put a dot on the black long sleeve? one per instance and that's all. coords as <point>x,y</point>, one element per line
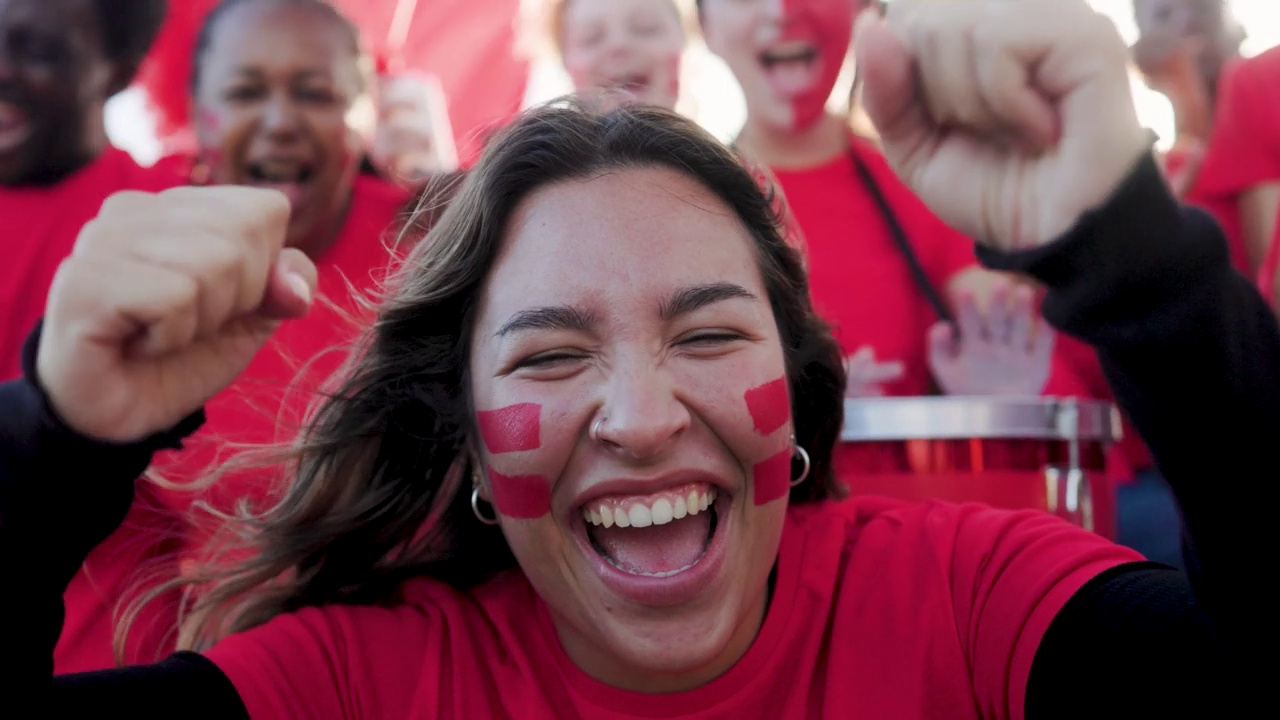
<point>1193,355</point>
<point>44,539</point>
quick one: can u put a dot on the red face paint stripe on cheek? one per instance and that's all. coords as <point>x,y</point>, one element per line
<point>523,497</point>
<point>769,405</point>
<point>514,428</point>
<point>771,478</point>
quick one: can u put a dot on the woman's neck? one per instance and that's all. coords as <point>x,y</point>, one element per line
<point>319,240</point>
<point>1192,111</point>
<point>790,149</point>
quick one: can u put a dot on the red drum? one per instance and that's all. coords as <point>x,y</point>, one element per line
<point>1041,453</point>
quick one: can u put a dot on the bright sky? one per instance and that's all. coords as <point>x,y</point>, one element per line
<point>712,97</point>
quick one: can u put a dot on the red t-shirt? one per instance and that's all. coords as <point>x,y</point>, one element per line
<point>880,609</point>
<point>1244,147</point>
<point>859,280</point>
<point>41,225</point>
<point>157,532</point>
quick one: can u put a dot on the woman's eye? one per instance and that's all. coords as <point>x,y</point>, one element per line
<point>318,96</point>
<point>548,360</point>
<point>242,93</point>
<point>710,339</point>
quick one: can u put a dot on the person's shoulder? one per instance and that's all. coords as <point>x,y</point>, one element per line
<point>418,615</point>
<point>165,173</point>
<point>869,524</point>
<point>1265,63</point>
<point>872,518</point>
<point>377,191</point>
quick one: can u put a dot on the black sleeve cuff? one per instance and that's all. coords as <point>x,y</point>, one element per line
<point>1124,265</point>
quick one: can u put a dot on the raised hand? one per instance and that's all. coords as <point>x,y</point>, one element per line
<point>1010,119</point>
<point>163,302</point>
<point>867,375</point>
<point>414,138</point>
<point>1005,351</point>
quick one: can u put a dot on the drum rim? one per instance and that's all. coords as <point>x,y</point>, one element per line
<point>987,418</point>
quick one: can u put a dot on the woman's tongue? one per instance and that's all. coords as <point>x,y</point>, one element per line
<point>655,549</point>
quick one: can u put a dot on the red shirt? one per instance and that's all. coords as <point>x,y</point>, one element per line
<point>1244,147</point>
<point>157,532</point>
<point>880,610</point>
<point>41,225</point>
<point>859,280</point>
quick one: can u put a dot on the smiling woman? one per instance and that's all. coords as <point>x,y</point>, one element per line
<point>628,50</point>
<point>581,463</point>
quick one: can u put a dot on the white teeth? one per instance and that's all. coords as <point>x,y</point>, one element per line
<point>661,512</point>
<point>640,516</point>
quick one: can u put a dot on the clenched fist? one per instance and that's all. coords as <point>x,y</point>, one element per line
<point>1009,118</point>
<point>163,302</point>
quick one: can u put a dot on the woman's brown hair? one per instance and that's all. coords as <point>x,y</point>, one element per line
<point>379,487</point>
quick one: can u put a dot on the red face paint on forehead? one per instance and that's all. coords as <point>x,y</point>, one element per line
<point>771,479</point>
<point>523,497</point>
<point>769,405</point>
<point>514,428</point>
<point>828,24</point>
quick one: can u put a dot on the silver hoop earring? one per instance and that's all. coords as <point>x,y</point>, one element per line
<point>804,474</point>
<point>475,508</point>
<point>594,433</point>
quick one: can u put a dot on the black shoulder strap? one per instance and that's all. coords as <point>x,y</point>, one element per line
<point>900,239</point>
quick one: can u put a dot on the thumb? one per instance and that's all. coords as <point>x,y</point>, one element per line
<point>291,287</point>
<point>942,341</point>
<point>890,92</point>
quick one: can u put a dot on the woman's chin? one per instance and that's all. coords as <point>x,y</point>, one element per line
<point>658,656</point>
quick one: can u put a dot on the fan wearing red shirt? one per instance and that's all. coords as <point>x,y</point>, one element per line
<point>60,61</point>
<point>275,81</point>
<point>1239,178</point>
<point>863,229</point>
<point>1182,50</point>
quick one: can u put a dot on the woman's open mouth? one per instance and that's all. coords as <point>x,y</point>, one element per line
<point>792,68</point>
<point>660,548</point>
<point>290,177</point>
<point>636,84</point>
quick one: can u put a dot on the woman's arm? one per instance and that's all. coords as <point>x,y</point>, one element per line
<point>1193,354</point>
<point>134,341</point>
<point>60,495</point>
